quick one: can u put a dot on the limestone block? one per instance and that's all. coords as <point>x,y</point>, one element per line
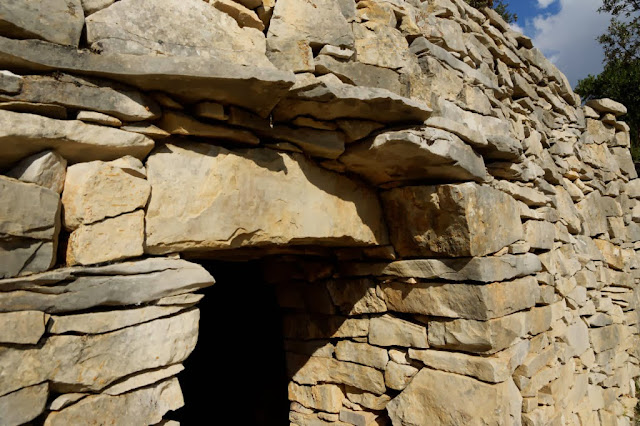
<point>57,21</point>
<point>23,405</point>
<point>243,16</point>
<point>24,327</point>
<point>90,363</point>
<point>143,379</point>
<point>326,397</point>
<point>144,406</point>
<point>189,78</point>
<point>605,338</point>
<point>448,402</point>
<point>412,155</point>
<point>479,269</point>
<point>390,331</point>
<point>110,240</point>
<point>9,82</point>
<point>29,226</point>
<point>359,74</point>
<point>613,255</point>
<point>607,105</point>
<point>366,399</point>
<point>313,370</point>
<point>380,45</point>
<point>276,199</point>
<point>194,28</point>
<point>451,220</point>
<point>457,300</point>
<point>103,322</point>
<point>539,234</point>
<point>22,135</point>
<point>305,24</point>
<point>577,337</point>
<point>484,337</point>
<point>80,288</point>
<point>397,376</point>
<point>328,99</point>
<point>362,353</point>
<point>47,169</point>
<point>92,6</point>
<point>119,101</point>
<point>96,190</point>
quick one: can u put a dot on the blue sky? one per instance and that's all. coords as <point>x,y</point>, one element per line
<point>565,31</point>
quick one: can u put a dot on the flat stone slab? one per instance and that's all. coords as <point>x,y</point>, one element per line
<point>276,198</point>
<point>78,288</point>
<point>414,155</point>
<point>188,79</point>
<point>23,405</point>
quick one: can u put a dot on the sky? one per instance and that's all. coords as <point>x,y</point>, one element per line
<point>565,31</point>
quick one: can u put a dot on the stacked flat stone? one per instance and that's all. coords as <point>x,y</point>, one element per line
<point>461,233</point>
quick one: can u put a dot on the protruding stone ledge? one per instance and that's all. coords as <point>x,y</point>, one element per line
<point>190,79</point>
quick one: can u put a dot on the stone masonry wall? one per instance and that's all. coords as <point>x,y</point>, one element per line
<point>451,233</point>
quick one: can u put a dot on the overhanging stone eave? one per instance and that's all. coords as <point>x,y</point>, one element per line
<point>190,79</point>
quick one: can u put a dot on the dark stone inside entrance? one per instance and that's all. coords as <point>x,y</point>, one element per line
<point>237,372</point>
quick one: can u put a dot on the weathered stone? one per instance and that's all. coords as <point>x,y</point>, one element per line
<point>380,45</point>
<point>80,288</point>
<point>304,24</point>
<point>330,99</point>
<point>481,269</point>
<point>357,418</point>
<point>143,379</point>
<point>189,79</point>
<point>493,369</point>
<point>130,165</point>
<point>360,74</point>
<point>539,234</point>
<point>149,130</point>
<point>103,322</point>
<point>102,96</point>
<point>9,82</point>
<point>607,105</point>
<point>46,110</point>
<point>390,331</point>
<point>65,400</point>
<point>604,338</point>
<point>47,169</point>
<point>29,226</point>
<point>26,134</point>
<point>313,200</point>
<point>478,220</point>
<point>471,301</point>
<point>354,297</point>
<point>23,328</point>
<point>57,21</point>
<point>362,353</point>
<point>397,376</point>
<point>425,403</point>
<point>144,406</point>
<point>478,336</point>
<point>23,405</point>
<point>81,363</point>
<point>98,118</point>
<point>613,255</point>
<point>96,190</point>
<point>92,6</point>
<point>177,123</point>
<point>320,397</point>
<point>313,370</point>
<point>244,17</point>
<point>366,399</point>
<point>410,155</point>
<point>110,240</point>
<point>576,337</point>
<point>194,28</point>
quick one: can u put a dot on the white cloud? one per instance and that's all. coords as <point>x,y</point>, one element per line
<point>543,4</point>
<point>516,27</point>
<point>569,37</point>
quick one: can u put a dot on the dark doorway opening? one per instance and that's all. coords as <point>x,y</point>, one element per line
<point>237,370</point>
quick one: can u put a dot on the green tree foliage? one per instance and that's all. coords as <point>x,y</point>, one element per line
<point>622,39</point>
<point>620,80</point>
<point>499,6</point>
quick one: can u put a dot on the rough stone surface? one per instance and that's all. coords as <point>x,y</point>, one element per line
<point>26,134</point>
<point>291,202</point>
<point>57,21</point>
<point>390,331</point>
<point>96,190</point>
<point>478,220</point>
<point>471,301</point>
<point>47,169</point>
<point>429,154</point>
<point>144,406</point>
<point>80,363</point>
<point>448,402</point>
<point>23,405</point>
<point>25,327</point>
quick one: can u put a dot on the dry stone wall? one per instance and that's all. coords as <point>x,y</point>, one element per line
<point>451,233</point>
